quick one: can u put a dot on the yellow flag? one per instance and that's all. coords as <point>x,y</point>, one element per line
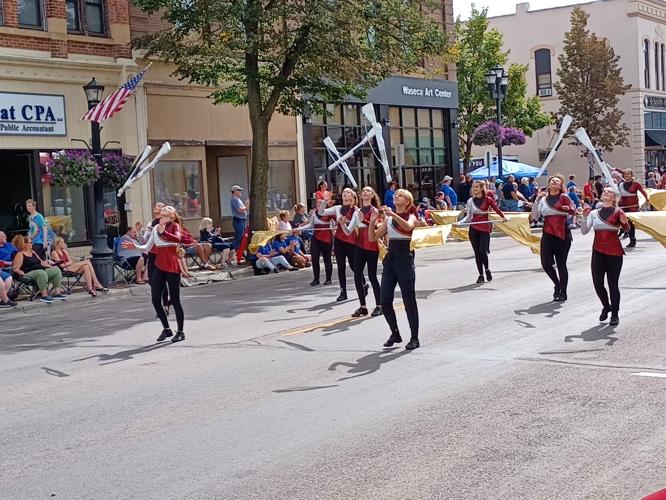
<point>272,223</point>
<point>442,217</point>
<point>518,228</point>
<point>657,198</point>
<point>462,233</point>
<point>653,223</point>
<point>260,238</point>
<point>429,236</point>
<point>382,249</point>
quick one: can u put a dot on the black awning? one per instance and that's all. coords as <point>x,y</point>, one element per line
<point>655,138</point>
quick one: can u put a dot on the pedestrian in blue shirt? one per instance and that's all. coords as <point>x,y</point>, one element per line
<point>449,192</point>
<point>238,214</point>
<point>39,232</point>
<point>388,195</point>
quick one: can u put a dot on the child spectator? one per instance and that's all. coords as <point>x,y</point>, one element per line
<point>283,221</point>
<point>133,256</point>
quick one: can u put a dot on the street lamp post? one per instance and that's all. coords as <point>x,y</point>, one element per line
<point>102,256</point>
<point>497,81</point>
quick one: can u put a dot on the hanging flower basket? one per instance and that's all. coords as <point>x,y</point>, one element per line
<point>115,169</point>
<point>487,134</point>
<point>72,167</point>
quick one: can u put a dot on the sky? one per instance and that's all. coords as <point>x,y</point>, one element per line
<point>463,8</point>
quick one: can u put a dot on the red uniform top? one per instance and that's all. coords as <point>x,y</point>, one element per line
<point>555,210</point>
<point>322,226</point>
<point>477,211</point>
<point>362,216</point>
<point>164,246</point>
<point>605,222</point>
<point>628,195</point>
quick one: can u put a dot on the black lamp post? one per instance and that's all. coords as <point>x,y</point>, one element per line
<point>497,81</point>
<point>102,256</point>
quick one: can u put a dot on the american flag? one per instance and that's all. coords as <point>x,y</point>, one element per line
<point>114,102</point>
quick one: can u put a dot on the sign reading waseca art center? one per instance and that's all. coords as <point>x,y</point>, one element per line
<point>32,114</point>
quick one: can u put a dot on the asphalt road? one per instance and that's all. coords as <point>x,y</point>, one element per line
<point>277,394</point>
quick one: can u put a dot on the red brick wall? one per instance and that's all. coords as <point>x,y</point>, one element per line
<point>24,42</point>
<point>55,8</point>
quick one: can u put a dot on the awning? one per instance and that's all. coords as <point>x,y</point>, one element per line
<point>655,138</point>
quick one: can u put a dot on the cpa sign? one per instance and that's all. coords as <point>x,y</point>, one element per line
<point>32,114</point>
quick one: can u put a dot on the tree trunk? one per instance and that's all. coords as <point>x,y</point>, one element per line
<point>259,177</point>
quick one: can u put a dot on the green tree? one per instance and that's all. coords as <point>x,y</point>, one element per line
<point>477,50</point>
<point>277,55</point>
<point>590,85</point>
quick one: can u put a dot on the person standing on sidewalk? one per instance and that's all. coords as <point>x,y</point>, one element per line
<point>398,265</point>
<point>239,212</point>
<point>39,233</point>
<point>607,251</point>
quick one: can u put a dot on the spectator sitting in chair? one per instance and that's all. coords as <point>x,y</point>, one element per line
<point>28,263</point>
<point>133,256</point>
<point>209,235</point>
<point>5,286</point>
<point>440,201</point>
<point>298,258</point>
<point>7,251</point>
<point>283,221</point>
<point>193,247</point>
<point>61,257</point>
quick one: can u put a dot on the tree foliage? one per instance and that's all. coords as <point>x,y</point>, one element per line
<point>477,50</point>
<point>590,85</point>
<point>275,55</point>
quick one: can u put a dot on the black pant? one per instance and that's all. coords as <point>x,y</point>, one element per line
<point>158,283</point>
<point>609,266</point>
<point>361,258</point>
<point>555,248</point>
<point>150,263</point>
<point>319,248</point>
<point>399,270</point>
<point>343,251</point>
<point>481,244</point>
<point>632,231</point>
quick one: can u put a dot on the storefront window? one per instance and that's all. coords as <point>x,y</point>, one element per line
<point>178,183</point>
<point>280,186</point>
<point>64,207</point>
<point>420,128</point>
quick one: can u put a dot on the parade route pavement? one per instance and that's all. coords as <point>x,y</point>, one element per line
<point>278,394</point>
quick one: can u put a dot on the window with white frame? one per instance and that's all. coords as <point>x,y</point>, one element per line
<point>646,63</point>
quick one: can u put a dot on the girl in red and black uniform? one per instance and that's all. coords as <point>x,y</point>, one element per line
<point>555,206</point>
<point>607,252</point>
<point>398,264</point>
<point>366,251</point>
<point>321,244</point>
<point>344,244</point>
<point>629,201</point>
<point>479,233</point>
<point>164,239</point>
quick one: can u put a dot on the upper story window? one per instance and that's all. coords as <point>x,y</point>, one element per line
<point>656,65</point>
<point>30,13</point>
<point>544,82</point>
<point>663,72</point>
<point>86,16</point>
<point>646,63</point>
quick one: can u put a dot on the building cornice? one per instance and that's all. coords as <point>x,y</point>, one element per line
<point>651,10</point>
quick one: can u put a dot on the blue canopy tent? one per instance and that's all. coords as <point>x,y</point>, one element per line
<point>508,167</point>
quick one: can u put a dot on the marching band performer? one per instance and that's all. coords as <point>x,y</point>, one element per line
<point>343,243</point>
<point>607,252</point>
<point>555,206</point>
<point>629,200</point>
<point>164,239</point>
<point>398,264</point>
<point>321,244</point>
<point>479,233</point>
<point>366,251</point>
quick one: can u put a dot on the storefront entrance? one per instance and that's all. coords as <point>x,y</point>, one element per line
<point>16,186</point>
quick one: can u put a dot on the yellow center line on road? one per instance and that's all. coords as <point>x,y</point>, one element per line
<point>328,324</point>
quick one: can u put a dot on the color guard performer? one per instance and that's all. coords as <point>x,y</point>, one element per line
<point>343,244</point>
<point>164,239</point>
<point>629,201</point>
<point>478,207</point>
<point>398,264</point>
<point>366,251</point>
<point>607,252</point>
<point>555,206</point>
<point>321,244</point>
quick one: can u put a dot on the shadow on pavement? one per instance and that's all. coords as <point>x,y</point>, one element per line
<point>550,309</point>
<point>124,355</point>
<point>599,332</point>
<point>304,389</point>
<point>370,363</point>
<point>469,288</point>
